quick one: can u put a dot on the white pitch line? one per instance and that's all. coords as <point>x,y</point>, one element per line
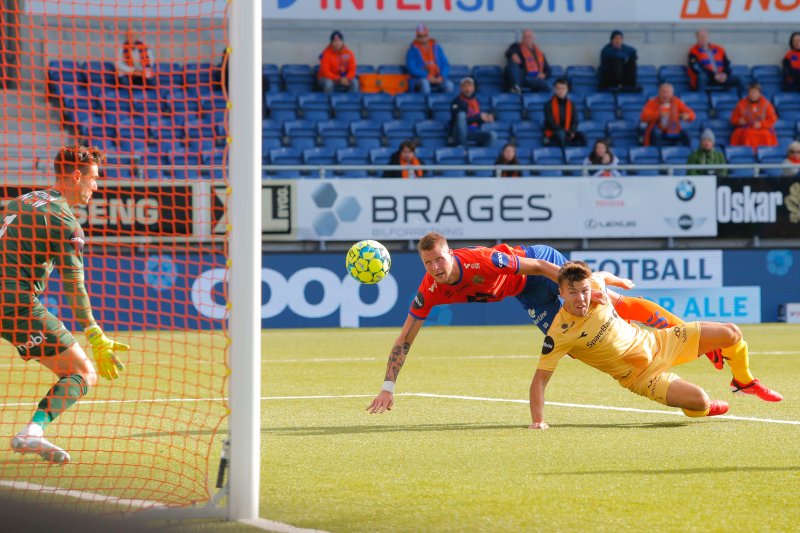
<point>81,495</point>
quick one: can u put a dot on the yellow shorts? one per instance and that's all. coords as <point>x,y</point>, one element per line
<point>675,346</point>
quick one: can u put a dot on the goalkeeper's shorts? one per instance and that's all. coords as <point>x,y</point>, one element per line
<point>34,331</point>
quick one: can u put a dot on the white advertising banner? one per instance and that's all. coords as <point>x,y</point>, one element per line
<point>538,11</point>
<point>481,208</point>
<point>685,269</point>
<point>741,305</point>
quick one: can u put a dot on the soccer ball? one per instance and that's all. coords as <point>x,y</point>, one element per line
<point>368,261</point>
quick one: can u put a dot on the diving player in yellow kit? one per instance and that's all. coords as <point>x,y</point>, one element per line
<point>638,359</point>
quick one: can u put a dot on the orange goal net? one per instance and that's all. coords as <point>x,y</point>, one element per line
<point>144,82</point>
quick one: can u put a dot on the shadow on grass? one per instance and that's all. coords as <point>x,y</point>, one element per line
<point>677,471</point>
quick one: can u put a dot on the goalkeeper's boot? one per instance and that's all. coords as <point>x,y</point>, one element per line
<point>755,388</point>
<point>31,440</point>
<point>717,407</point>
<point>715,356</point>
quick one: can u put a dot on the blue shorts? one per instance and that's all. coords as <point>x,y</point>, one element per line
<point>540,295</point>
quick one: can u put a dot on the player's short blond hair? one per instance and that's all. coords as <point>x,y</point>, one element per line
<point>573,272</point>
<point>430,241</point>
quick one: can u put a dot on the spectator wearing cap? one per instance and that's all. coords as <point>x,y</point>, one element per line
<point>527,66</point>
<point>618,65</point>
<point>427,64</point>
<point>561,118</point>
<point>467,118</point>
<point>791,64</point>
<point>708,155</point>
<point>337,66</point>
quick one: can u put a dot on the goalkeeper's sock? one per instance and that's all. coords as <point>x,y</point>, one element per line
<point>739,362</point>
<point>646,312</point>
<point>64,393</point>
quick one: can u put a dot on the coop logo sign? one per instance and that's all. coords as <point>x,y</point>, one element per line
<point>339,295</point>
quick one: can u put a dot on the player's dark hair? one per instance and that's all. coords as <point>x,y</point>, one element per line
<point>429,241</point>
<point>75,157</point>
<point>573,272</point>
<point>561,81</point>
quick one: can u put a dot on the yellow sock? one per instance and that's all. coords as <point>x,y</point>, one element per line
<point>695,414</point>
<point>739,362</point>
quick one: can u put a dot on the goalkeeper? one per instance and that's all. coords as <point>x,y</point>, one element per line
<point>39,232</point>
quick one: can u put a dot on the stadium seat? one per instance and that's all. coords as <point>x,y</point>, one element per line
<point>601,106</point>
<point>364,69</point>
<point>432,133</point>
<point>740,155</point>
<point>507,107</point>
<point>767,75</point>
<point>271,78</point>
<point>314,106</point>
<point>380,156</point>
<point>367,133</point>
<point>527,134</point>
<point>721,128</point>
<point>785,128</point>
<point>300,128</point>
<point>488,79</point>
<point>502,131</point>
<point>297,78</point>
<point>534,105</point>
<point>697,101</point>
<point>286,156</point>
<point>346,106</point>
<point>676,75</point>
<point>623,133</point>
<point>575,155</point>
<point>319,156</point>
<point>198,74</point>
<point>379,106</point>
<point>592,130</point>
<point>455,155</point>
<point>675,155</point>
<point>645,155</point>
<point>396,131</point>
<point>557,71</point>
<point>440,106</point>
<point>646,76</point>
<point>272,128</point>
<point>334,133</point>
<point>352,156</point>
<point>458,73</point>
<point>743,73</point>
<point>786,103</point>
<point>392,69</point>
<point>282,106</point>
<point>771,155</point>
<point>101,73</point>
<point>548,156</point>
<point>411,106</point>
<point>482,156</point>
<point>723,104</point>
<point>582,79</point>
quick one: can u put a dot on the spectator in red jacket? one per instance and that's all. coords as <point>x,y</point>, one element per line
<point>664,115</point>
<point>709,66</point>
<point>337,66</point>
<point>791,64</point>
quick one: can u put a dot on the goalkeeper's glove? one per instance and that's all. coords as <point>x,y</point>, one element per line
<point>108,364</point>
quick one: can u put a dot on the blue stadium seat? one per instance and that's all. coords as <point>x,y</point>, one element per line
<point>623,132</point>
<point>723,104</point>
<point>592,129</point>
<point>315,106</point>
<point>297,78</point>
<point>772,155</point>
<point>582,79</point>
<point>458,73</point>
<point>768,75</point>
<point>501,129</point>
<point>101,73</point>
<point>364,69</point>
<point>647,75</point>
<point>454,155</point>
<point>282,106</point>
<point>301,133</point>
<point>346,106</point>
<point>785,128</point>
<point>396,131</point>
<point>183,160</point>
<point>743,73</point>
<point>286,156</point>
<point>557,71</point>
<point>548,156</point>
<point>575,155</point>
<point>319,156</point>
<point>507,107</point>
<point>379,106</point>
<point>527,134</point>
<point>411,106</point>
<point>440,105</point>
<point>645,155</point>
<point>488,79</point>
<point>392,69</point>
<point>675,155</point>
<point>197,74</point>
<point>380,156</point>
<point>677,75</point>
<point>740,155</point>
<point>271,78</point>
<point>334,133</point>
<point>786,102</point>
<point>482,156</point>
<point>272,128</point>
<point>367,133</point>
<point>534,105</point>
<point>721,128</point>
<point>268,144</point>
<point>432,133</point>
<point>697,101</point>
<point>352,156</point>
<point>601,106</point>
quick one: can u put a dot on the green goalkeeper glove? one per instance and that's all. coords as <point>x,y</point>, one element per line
<point>108,365</point>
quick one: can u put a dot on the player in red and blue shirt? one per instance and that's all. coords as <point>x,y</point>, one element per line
<point>481,274</point>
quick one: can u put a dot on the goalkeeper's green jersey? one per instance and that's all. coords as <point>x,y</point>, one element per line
<point>39,232</point>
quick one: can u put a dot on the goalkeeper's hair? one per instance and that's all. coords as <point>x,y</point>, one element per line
<point>430,241</point>
<point>573,272</point>
<point>76,157</point>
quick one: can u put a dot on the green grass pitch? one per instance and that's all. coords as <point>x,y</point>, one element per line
<point>454,454</point>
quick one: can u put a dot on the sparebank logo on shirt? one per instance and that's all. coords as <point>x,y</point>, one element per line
<point>500,259</point>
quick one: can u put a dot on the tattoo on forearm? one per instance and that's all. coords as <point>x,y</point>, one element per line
<point>396,360</point>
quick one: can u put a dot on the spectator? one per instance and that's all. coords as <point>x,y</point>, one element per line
<point>601,154</point>
<point>792,158</point>
<point>337,66</point>
<point>753,120</point>
<point>133,60</point>
<point>405,156</point>
<point>663,115</point>
<point>710,67</point>
<point>708,155</point>
<point>527,66</point>
<point>466,117</point>
<point>791,64</point>
<point>618,65</point>
<point>427,64</point>
<point>508,156</point>
<point>561,118</point>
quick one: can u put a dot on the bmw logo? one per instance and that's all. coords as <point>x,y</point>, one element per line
<point>685,190</point>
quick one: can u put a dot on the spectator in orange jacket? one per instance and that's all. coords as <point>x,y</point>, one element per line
<point>664,114</point>
<point>791,64</point>
<point>134,60</point>
<point>709,66</point>
<point>753,120</point>
<point>337,66</point>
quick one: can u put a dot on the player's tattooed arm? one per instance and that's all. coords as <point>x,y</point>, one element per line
<point>402,345</point>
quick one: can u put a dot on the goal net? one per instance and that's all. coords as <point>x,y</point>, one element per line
<point>142,80</point>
